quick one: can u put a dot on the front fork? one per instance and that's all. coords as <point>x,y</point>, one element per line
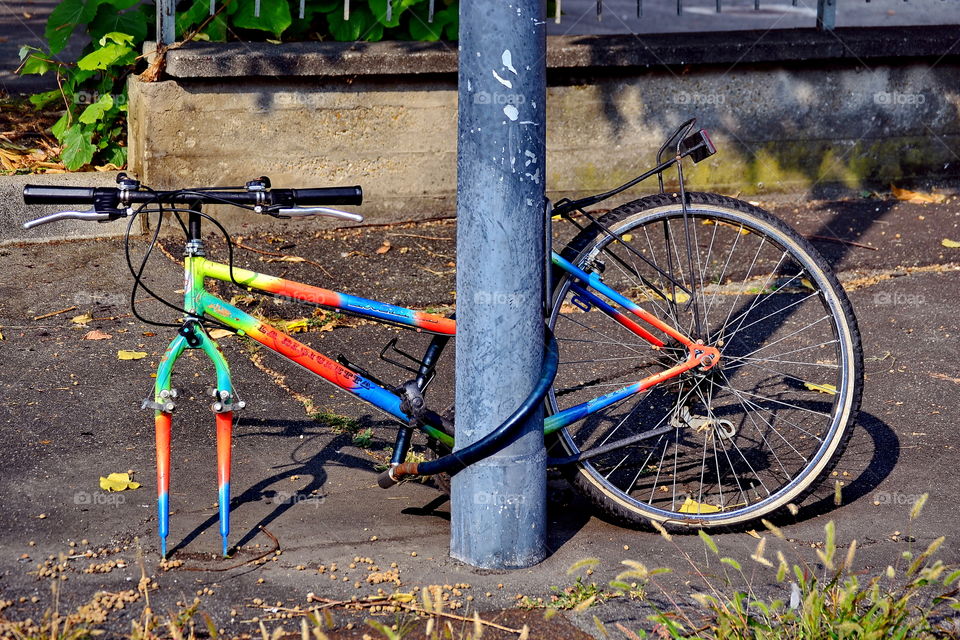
<point>192,336</point>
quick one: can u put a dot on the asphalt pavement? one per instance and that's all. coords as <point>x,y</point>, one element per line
<point>70,413</point>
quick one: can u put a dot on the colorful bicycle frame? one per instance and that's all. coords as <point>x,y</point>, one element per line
<point>200,303</point>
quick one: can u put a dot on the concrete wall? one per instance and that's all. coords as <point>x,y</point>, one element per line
<point>830,121</point>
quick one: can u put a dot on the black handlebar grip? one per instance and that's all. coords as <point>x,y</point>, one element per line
<point>45,194</point>
<point>327,195</point>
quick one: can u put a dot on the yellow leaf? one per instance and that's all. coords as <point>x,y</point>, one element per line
<point>822,388</point>
<point>118,482</point>
<point>916,197</point>
<point>626,237</point>
<point>743,231</point>
<point>216,334</point>
<point>83,318</point>
<point>752,533</point>
<point>1,335</point>
<point>950,244</point>
<point>807,284</point>
<point>692,506</point>
<point>402,597</point>
<point>123,354</point>
<point>295,326</point>
<point>680,298</point>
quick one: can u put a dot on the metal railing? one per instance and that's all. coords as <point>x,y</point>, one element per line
<point>166,13</point>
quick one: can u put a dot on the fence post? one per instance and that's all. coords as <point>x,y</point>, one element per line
<point>499,504</point>
<point>166,21</point>
<point>826,14</point>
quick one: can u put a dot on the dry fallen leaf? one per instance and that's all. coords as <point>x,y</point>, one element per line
<point>950,244</point>
<point>83,318</point>
<point>822,388</point>
<point>285,259</point>
<point>96,334</point>
<point>384,247</point>
<point>1,336</point>
<point>216,334</point>
<point>123,354</point>
<point>752,533</point>
<point>118,482</point>
<point>916,197</point>
<point>692,506</point>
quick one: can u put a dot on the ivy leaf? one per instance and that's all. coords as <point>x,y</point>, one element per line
<point>195,14</point>
<point>216,29</point>
<point>115,49</point>
<point>64,19</point>
<point>422,29</point>
<point>274,16</point>
<point>360,26</point>
<point>78,147</point>
<point>95,111</point>
<point>40,100</point>
<point>117,5</point>
<point>33,61</point>
<point>59,128</point>
<point>379,9</point>
<point>108,20</point>
<point>116,155</point>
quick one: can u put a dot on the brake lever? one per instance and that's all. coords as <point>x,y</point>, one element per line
<point>92,215</point>
<point>306,212</point>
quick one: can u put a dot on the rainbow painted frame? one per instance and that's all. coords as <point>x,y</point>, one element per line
<point>200,303</point>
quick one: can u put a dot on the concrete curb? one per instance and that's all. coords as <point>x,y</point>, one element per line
<point>570,53</point>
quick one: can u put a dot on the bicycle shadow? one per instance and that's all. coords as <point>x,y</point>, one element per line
<point>883,451</point>
<point>269,490</point>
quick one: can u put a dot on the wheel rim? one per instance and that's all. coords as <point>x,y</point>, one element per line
<point>751,475</point>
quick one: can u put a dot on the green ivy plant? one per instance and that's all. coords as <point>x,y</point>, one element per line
<point>93,88</point>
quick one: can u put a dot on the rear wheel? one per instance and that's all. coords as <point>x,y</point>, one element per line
<point>736,442</point>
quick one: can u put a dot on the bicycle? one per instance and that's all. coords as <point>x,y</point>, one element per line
<point>712,372</point>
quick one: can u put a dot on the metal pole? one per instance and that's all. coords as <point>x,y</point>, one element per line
<point>166,21</point>
<point>499,504</point>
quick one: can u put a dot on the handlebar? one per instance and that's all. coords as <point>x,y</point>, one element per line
<point>111,203</point>
<point>114,197</point>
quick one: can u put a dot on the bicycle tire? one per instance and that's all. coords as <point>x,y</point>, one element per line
<point>801,274</point>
